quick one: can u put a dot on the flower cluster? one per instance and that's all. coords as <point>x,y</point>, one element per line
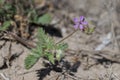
<point>80,23</point>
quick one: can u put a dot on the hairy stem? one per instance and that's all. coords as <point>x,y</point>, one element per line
<point>67,36</point>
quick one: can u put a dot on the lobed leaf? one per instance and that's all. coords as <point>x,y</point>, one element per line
<point>30,60</point>
<point>41,38</point>
<point>50,57</point>
<point>45,19</point>
<point>5,25</point>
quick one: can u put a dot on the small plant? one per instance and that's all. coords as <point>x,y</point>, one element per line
<point>16,12</point>
<point>46,48</point>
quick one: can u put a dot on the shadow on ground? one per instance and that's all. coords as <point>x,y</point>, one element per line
<point>66,68</point>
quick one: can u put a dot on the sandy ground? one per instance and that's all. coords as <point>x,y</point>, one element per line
<point>98,53</point>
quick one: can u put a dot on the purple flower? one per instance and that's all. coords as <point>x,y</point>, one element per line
<point>80,23</point>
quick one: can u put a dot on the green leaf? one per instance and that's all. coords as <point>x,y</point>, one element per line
<point>44,40</point>
<point>89,30</point>
<point>30,60</point>
<point>50,57</point>
<point>59,55</point>
<point>41,37</point>
<point>62,46</point>
<point>49,43</point>
<point>59,52</point>
<point>45,19</point>
<point>7,6</point>
<point>32,15</point>
<point>33,58</point>
<point>37,51</point>
<point>5,25</point>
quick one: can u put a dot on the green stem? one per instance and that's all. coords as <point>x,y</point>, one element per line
<point>67,37</point>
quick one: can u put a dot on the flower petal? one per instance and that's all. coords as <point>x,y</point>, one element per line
<point>81,27</point>
<point>84,22</point>
<point>76,26</point>
<point>82,18</point>
<point>76,20</point>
